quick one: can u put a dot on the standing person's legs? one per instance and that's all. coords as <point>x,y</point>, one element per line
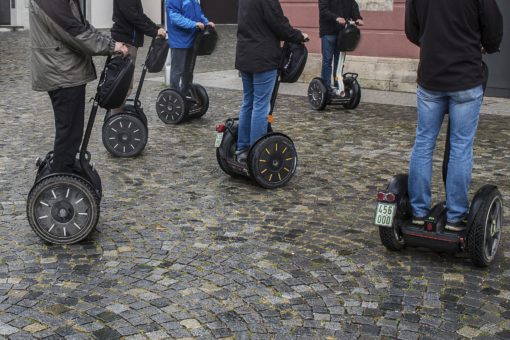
<point>178,66</point>
<point>133,52</point>
<point>336,59</point>
<point>69,109</point>
<point>431,107</point>
<point>464,113</point>
<point>245,114</point>
<point>263,86</point>
<point>187,74</point>
<point>328,43</point>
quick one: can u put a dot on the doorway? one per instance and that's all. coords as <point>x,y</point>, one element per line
<point>499,67</point>
<point>5,12</point>
<point>220,11</point>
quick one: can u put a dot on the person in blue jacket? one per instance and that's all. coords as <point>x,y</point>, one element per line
<point>184,18</point>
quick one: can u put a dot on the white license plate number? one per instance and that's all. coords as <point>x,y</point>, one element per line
<point>219,138</point>
<point>385,213</point>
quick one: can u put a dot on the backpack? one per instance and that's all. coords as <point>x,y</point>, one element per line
<point>293,62</point>
<point>205,42</point>
<point>348,38</point>
<point>156,58</point>
<point>114,82</point>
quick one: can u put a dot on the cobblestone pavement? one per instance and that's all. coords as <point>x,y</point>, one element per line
<point>182,250</point>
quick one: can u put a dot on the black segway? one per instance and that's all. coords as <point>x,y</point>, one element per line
<point>480,239</point>
<point>272,160</point>
<point>174,107</point>
<point>347,91</point>
<point>125,133</point>
<point>63,208</point>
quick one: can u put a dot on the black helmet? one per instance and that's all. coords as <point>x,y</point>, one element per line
<point>348,38</point>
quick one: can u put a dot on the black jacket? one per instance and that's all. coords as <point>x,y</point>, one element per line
<point>261,27</point>
<point>330,10</point>
<point>450,35</point>
<point>130,24</point>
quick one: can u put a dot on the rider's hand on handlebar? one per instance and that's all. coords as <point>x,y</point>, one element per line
<point>211,24</point>
<point>121,48</point>
<point>306,38</point>
<point>200,26</point>
<point>162,33</point>
<point>359,22</point>
<point>341,21</point>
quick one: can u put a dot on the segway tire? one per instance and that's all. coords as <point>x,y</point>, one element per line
<point>228,148</point>
<point>272,161</point>
<point>63,209</point>
<point>204,101</point>
<point>317,94</point>
<point>392,238</point>
<point>138,112</point>
<point>171,107</point>
<point>125,135</point>
<point>484,235</point>
<point>352,85</point>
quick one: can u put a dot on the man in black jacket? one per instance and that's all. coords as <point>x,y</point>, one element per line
<point>451,35</point>
<point>262,26</point>
<point>333,14</point>
<point>130,25</point>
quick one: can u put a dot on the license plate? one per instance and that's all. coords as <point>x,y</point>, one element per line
<point>219,138</point>
<point>385,213</point>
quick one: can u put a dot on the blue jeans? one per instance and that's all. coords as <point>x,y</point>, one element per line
<point>463,108</point>
<point>330,53</point>
<point>257,91</point>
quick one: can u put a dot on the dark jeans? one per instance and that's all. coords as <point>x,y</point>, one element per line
<point>180,75</point>
<point>69,109</point>
<point>329,53</point>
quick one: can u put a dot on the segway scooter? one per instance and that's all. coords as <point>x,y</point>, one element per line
<point>174,107</point>
<point>272,160</point>
<point>480,239</point>
<point>63,208</point>
<point>125,133</point>
<point>347,91</point>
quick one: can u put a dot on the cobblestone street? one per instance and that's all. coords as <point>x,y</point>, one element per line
<point>184,251</point>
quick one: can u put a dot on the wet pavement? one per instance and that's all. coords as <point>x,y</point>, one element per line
<point>184,251</point>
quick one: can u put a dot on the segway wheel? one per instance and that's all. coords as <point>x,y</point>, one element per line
<point>63,209</point>
<point>353,87</point>
<point>485,233</point>
<point>317,94</point>
<point>203,97</point>
<point>272,161</point>
<point>171,107</point>
<point>228,149</point>
<point>392,238</point>
<point>124,135</point>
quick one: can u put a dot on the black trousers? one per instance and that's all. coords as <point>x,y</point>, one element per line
<point>69,109</point>
<point>180,75</point>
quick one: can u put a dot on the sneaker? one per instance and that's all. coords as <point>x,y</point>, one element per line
<point>241,155</point>
<point>456,226</point>
<point>419,221</point>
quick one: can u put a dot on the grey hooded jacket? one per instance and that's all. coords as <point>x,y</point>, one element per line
<point>63,44</point>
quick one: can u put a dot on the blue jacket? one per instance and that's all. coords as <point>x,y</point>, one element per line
<point>182,17</point>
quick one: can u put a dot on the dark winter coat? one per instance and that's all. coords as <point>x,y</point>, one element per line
<point>130,24</point>
<point>261,27</point>
<point>450,35</point>
<point>63,44</point>
<point>330,10</point>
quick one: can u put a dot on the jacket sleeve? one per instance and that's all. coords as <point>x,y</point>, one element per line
<point>325,12</point>
<point>491,25</point>
<point>177,18</point>
<point>142,22</point>
<point>356,15</point>
<point>78,36</point>
<point>412,25</point>
<point>274,17</point>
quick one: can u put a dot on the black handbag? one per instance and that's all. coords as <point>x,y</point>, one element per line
<point>206,41</point>
<point>115,81</point>
<point>293,62</point>
<point>156,58</point>
<point>348,38</point>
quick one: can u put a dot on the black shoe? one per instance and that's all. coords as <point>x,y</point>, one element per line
<point>456,226</point>
<point>419,221</point>
<point>241,155</point>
